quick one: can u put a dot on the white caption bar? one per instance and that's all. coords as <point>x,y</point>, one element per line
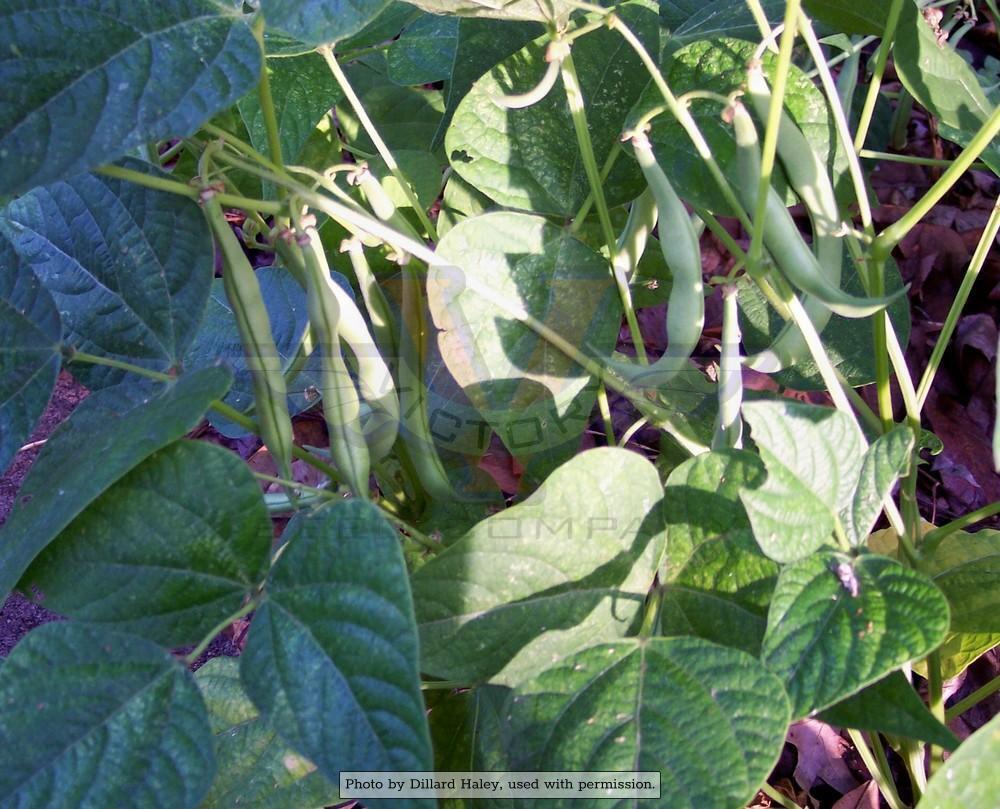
<point>611,785</point>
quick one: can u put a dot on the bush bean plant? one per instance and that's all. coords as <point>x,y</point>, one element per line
<point>429,225</point>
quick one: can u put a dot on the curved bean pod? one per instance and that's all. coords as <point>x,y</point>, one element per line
<point>638,228</point>
<point>782,238</point>
<point>728,425</point>
<point>243,292</point>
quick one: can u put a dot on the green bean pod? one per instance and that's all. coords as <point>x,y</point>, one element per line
<point>341,402</point>
<point>632,241</point>
<point>791,254</point>
<point>682,253</point>
<point>728,424</point>
<point>243,293</point>
<point>809,179</point>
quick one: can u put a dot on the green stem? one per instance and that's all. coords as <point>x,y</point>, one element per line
<point>935,700</point>
<point>951,321</point>
<point>760,17</point>
<point>412,533</point>
<point>868,110</point>
<point>577,110</point>
<point>872,154</point>
<point>71,354</point>
<point>267,102</point>
<point>779,797</point>
<point>609,163</point>
<point>380,145</point>
<point>901,119</point>
<point>243,611</point>
<point>605,408</point>
<point>294,484</point>
<point>242,147</point>
<point>883,778</point>
<point>933,538</point>
<point>973,699</point>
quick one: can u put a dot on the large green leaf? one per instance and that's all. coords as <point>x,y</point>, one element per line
<point>717,584</point>
<point>30,333</point>
<point>86,81</point>
<point>499,9</point>
<point>890,705</point>
<point>319,22</point>
<point>255,767</point>
<point>303,90</point>
<point>848,341</point>
<point>524,387</point>
<point>849,16</point>
<point>813,458</point>
<point>568,567</point>
<point>719,65</point>
<point>331,659</point>
<point>482,43</point>
<point>942,81</point>
<point>129,268</point>
<point>425,51</point>
<point>837,624</point>
<point>95,718</point>
<point>519,157</point>
<point>884,461</point>
<point>107,436</point>
<point>959,650</point>
<point>210,548</point>
<point>967,569</point>
<point>970,777</point>
<point>711,720</point>
<point>719,18</point>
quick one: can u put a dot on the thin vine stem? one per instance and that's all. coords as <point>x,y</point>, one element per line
<point>191,657</point>
<point>267,101</point>
<point>933,537</point>
<point>872,154</point>
<point>868,110</point>
<point>883,778</point>
<point>973,699</point>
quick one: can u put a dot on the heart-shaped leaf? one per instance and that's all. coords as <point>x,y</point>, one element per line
<point>94,718</point>
<point>425,51</point>
<point>970,777</point>
<point>524,387</point>
<point>209,549</point>
<point>568,567</point>
<point>255,767</point>
<point>966,567</point>
<point>87,81</point>
<point>119,428</point>
<point>331,658</point>
<point>717,583</point>
<point>813,458</point>
<point>890,706</point>
<point>320,22</point>
<point>30,333</point>
<point>129,268</point>
<point>837,624</point>
<point>710,719</point>
<point>519,157</point>
<point>881,467</point>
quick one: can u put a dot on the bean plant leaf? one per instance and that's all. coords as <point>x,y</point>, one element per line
<point>883,463</point>
<point>255,767</point>
<point>717,583</point>
<point>850,17</point>
<point>499,9</point>
<point>86,81</point>
<point>813,458</point>
<point>710,719</point>
<point>129,268</point>
<point>118,428</point>
<point>519,157</point>
<point>303,90</point>
<point>338,609</point>
<point>523,386</point>
<point>966,567</point>
<point>960,650</point>
<point>382,28</point>
<point>320,22</point>
<point>96,718</point>
<point>719,65</point>
<point>568,567</point>
<point>936,75</point>
<point>837,624</point>
<point>425,51</point>
<point>30,333</point>
<point>459,201</point>
<point>209,549</point>
<point>970,776</point>
<point>721,19</point>
<point>890,705</point>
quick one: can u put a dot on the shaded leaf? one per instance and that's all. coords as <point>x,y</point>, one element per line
<point>836,625</point>
<point>568,567</point>
<point>320,22</point>
<point>425,51</point>
<point>710,719</point>
<point>30,333</point>
<point>967,569</point>
<point>121,427</point>
<point>95,718</point>
<point>86,81</point>
<point>175,580</point>
<point>331,658</point>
